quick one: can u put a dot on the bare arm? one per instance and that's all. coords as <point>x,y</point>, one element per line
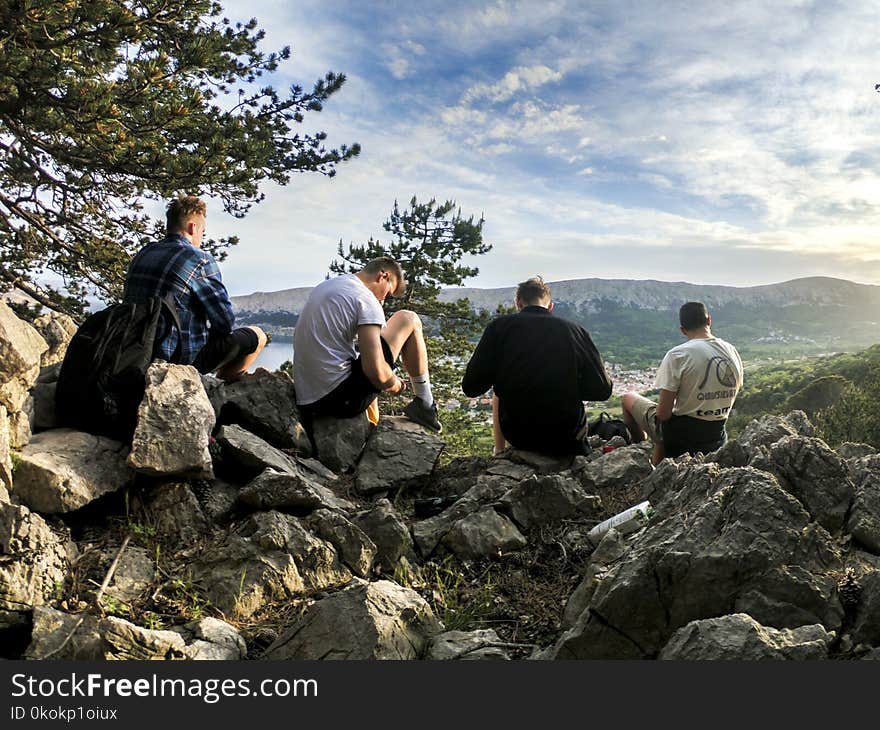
<point>667,401</point>
<point>378,372</point>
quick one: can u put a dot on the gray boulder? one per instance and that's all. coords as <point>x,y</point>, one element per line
<point>850,450</point>
<point>397,453</point>
<point>542,500</point>
<point>428,533</point>
<point>270,556</point>
<point>483,644</point>
<point>174,425</point>
<point>210,639</point>
<point>63,470</point>
<point>739,637</point>
<point>388,532</point>
<point>723,541</point>
<point>340,441</point>
<point>250,454</point>
<point>353,545</point>
<point>483,534</point>
<point>866,629</point>
<point>264,403</point>
<point>611,548</point>
<point>52,628</point>
<point>808,469</point>
<point>379,620</point>
<point>175,514</point>
<point>21,348</point>
<point>285,491</point>
<point>135,572</point>
<point>57,330</point>
<point>34,561</point>
<point>5,457</point>
<point>863,522</point>
<point>20,424</point>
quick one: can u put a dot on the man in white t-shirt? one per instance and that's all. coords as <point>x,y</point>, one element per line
<point>344,351</point>
<point>698,382</point>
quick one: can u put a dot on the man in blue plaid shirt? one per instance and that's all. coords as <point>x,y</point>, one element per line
<point>177,264</point>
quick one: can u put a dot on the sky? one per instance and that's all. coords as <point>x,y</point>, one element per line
<point>714,143</point>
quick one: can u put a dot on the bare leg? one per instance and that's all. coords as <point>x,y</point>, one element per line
<point>500,441</point>
<point>234,370</point>
<point>635,430</point>
<point>403,333</point>
<point>658,455</point>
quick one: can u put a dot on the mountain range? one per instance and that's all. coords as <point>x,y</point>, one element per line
<point>635,321</point>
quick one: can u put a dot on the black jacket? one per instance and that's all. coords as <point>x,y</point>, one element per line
<point>542,368</point>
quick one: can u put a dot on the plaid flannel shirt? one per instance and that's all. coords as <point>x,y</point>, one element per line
<point>175,265</point>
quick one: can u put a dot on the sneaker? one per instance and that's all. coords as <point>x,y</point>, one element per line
<point>422,414</point>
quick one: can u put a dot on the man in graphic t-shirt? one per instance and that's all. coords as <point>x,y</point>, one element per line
<point>344,351</point>
<point>698,382</point>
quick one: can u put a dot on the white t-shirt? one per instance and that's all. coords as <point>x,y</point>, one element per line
<point>325,334</point>
<point>706,374</point>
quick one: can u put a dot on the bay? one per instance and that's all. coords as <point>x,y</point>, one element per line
<point>273,355</point>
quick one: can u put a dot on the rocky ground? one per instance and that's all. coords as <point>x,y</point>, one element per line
<point>217,535</point>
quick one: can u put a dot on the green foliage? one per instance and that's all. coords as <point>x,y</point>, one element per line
<point>854,416</point>
<point>461,596</point>
<point>465,434</point>
<point>429,242</point>
<point>106,104</point>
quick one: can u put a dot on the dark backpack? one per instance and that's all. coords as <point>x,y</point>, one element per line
<point>606,427</point>
<point>103,375</point>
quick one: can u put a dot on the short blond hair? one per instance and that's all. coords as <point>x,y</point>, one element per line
<point>181,210</point>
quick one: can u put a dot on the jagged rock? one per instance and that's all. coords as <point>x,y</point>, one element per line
<point>379,620</point>
<point>51,629</point>
<point>264,403</point>
<point>510,469</point>
<point>398,452</point>
<point>34,561</point>
<point>20,424</point>
<point>428,533</point>
<point>467,645</point>
<point>175,513</point>
<point>63,470</point>
<point>389,533</point>
<point>5,457</point>
<point>723,541</point>
<point>269,556</point>
<point>93,639</point>
<point>739,637</point>
<point>353,545</point>
<point>175,420</point>
<point>134,573</point>
<point>210,639</point>
<point>218,499</point>
<point>57,330</point>
<point>615,470</point>
<point>850,450</point>
<point>250,454</point>
<point>815,475</point>
<point>21,348</point>
<point>863,522</point>
<point>276,490</point>
<point>45,415</point>
<point>767,430</point>
<point>610,549</point>
<point>866,629</point>
<point>542,500</point>
<point>483,534</point>
<point>314,469</point>
<point>340,441</point>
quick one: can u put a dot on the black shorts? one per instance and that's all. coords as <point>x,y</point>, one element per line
<point>221,350</point>
<point>352,396</point>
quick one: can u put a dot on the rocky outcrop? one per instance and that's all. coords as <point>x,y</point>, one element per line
<point>480,645</point>
<point>352,544</point>
<point>379,620</point>
<point>21,348</point>
<point>548,499</point>
<point>482,534</point>
<point>739,637</point>
<point>398,452</point>
<point>270,556</point>
<point>292,492</point>
<point>57,330</point>
<point>250,454</point>
<point>63,470</point>
<point>388,532</point>
<point>34,562</point>
<point>175,514</point>
<point>174,403</point>
<point>5,457</point>
<point>340,441</point>
<point>863,522</point>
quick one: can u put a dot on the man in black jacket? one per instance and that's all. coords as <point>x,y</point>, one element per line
<point>542,368</point>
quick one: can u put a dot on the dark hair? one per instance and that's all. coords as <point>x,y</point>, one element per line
<point>693,315</point>
<point>180,210</point>
<point>386,263</point>
<point>532,291</point>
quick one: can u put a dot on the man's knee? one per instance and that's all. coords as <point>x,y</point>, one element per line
<point>261,337</point>
<point>627,400</point>
<point>405,318</point>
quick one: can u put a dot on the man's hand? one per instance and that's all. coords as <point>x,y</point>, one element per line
<point>397,387</point>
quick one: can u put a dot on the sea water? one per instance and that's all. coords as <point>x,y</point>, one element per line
<point>273,355</point>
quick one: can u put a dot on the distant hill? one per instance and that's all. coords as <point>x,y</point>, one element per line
<point>635,321</point>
